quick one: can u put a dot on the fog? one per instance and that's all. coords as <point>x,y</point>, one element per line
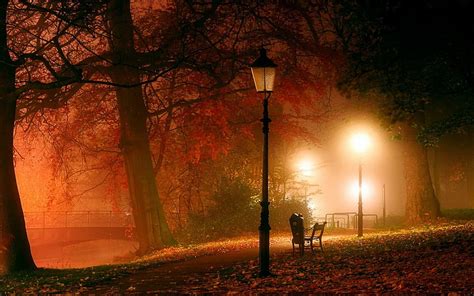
<point>84,254</point>
<point>335,169</point>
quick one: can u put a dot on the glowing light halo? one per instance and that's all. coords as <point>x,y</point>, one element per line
<point>305,167</point>
<point>360,142</point>
<point>312,205</point>
<point>366,189</point>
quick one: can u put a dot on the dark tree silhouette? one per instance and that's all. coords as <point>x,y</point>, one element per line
<point>29,63</point>
<point>16,249</point>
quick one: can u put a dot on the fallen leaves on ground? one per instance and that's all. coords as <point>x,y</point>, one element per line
<point>431,259</point>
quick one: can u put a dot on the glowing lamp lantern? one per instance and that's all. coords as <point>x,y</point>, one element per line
<point>263,72</point>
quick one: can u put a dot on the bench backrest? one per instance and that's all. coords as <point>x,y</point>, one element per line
<point>318,229</point>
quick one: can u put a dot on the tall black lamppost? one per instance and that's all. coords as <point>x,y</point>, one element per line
<point>360,215</point>
<point>263,72</point>
<point>360,143</point>
<point>383,210</point>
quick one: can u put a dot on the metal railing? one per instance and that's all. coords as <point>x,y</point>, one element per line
<point>346,219</point>
<point>61,227</point>
<point>71,219</point>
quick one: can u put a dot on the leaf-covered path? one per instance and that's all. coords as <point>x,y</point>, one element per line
<point>177,276</point>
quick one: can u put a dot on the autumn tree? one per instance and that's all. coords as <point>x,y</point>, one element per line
<point>34,43</point>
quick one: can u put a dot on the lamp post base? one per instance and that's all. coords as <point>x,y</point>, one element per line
<point>264,240</point>
<point>264,255</point>
<point>360,215</point>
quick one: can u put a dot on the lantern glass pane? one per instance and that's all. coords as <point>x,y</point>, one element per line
<point>263,78</point>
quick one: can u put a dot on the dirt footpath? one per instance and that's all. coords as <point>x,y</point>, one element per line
<point>176,275</point>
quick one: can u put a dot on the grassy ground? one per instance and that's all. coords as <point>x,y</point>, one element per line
<point>428,259</point>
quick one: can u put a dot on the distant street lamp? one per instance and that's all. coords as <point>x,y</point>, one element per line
<point>305,168</point>
<point>360,143</point>
<point>263,72</point>
<point>305,171</point>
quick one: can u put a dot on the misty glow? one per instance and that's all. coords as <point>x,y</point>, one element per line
<point>366,189</point>
<point>360,142</point>
<point>305,167</point>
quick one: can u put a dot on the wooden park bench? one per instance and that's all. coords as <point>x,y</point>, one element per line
<point>298,232</point>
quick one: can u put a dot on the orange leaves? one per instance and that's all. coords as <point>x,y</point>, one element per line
<point>208,129</point>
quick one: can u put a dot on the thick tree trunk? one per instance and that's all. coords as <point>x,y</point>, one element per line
<point>152,228</point>
<point>422,203</point>
<point>434,162</point>
<point>15,251</point>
